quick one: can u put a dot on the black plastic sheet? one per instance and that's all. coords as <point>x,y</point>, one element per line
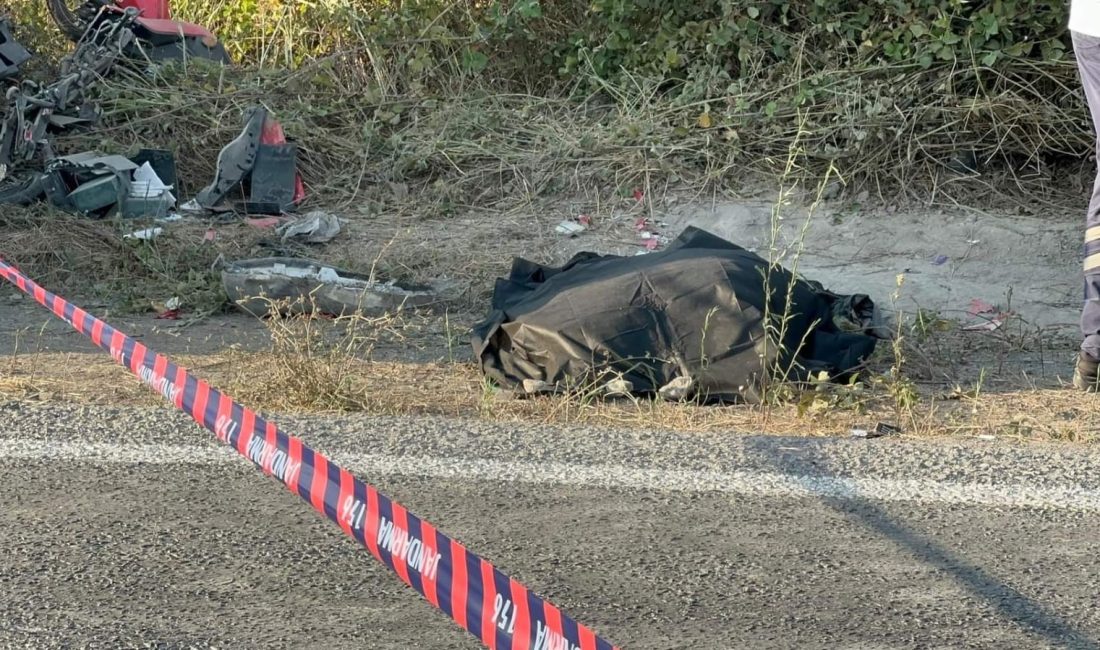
<point>694,312</point>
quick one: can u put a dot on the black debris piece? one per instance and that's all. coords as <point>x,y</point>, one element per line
<point>12,54</point>
<point>271,183</point>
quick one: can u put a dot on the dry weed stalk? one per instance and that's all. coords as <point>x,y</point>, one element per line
<point>316,362</point>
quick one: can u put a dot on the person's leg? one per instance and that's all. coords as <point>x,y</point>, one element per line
<point>1087,50</point>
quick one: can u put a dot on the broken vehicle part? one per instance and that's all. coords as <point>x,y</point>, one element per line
<point>97,196</point>
<point>149,196</point>
<point>259,162</point>
<point>273,135</point>
<point>89,183</point>
<point>162,37</point>
<point>25,191</point>
<point>12,54</point>
<point>301,286</point>
<point>31,111</point>
<point>696,318</point>
<point>271,182</point>
<point>235,161</point>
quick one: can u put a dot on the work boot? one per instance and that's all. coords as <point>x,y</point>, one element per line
<point>1086,376</point>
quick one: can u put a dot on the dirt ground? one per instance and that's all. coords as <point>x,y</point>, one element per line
<point>952,376</point>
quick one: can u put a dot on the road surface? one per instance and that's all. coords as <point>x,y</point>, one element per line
<point>132,528</point>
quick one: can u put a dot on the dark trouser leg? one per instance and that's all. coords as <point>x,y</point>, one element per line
<point>1087,49</point>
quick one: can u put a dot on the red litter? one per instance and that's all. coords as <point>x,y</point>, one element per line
<point>264,223</point>
<point>979,306</point>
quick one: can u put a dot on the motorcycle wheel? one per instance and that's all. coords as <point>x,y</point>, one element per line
<point>72,16</point>
<point>23,192</point>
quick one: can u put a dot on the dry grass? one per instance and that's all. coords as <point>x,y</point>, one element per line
<point>427,170</point>
<point>82,257</point>
<point>475,145</point>
<point>315,363</point>
<point>424,168</point>
<point>335,372</point>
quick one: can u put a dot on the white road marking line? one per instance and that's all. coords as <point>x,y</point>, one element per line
<point>742,483</point>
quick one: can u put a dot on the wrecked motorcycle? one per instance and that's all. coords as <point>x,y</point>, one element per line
<point>105,32</point>
<point>162,37</point>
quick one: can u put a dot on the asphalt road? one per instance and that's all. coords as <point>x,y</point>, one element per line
<point>133,528</point>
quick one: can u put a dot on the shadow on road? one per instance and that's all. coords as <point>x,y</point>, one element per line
<point>1013,605</point>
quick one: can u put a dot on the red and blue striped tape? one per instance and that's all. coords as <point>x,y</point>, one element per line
<point>496,609</point>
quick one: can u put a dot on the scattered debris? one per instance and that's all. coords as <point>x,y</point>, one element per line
<point>881,429</point>
<point>103,33</point>
<point>32,111</point>
<point>260,163</point>
<point>990,317</point>
<point>273,136</point>
<point>149,196</point>
<point>263,223</point>
<point>170,310</point>
<point>884,429</point>
<point>192,206</point>
<point>96,185</point>
<point>679,389</point>
<point>161,161</point>
<point>235,161</point>
<point>146,234</point>
<point>648,233</point>
<point>569,228</point>
<point>12,54</point>
<point>979,306</point>
<point>316,227</point>
<point>988,325</point>
<point>618,388</point>
<point>301,285</point>
<point>536,386</point>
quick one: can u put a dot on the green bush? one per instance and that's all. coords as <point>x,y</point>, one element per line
<point>883,87</point>
<point>706,43</point>
<point>875,83</point>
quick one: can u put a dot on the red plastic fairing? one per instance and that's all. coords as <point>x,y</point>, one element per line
<point>162,26</point>
<point>151,9</point>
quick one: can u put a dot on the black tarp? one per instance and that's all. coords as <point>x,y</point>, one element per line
<point>694,310</point>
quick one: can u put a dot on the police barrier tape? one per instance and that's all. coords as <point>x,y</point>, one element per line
<point>496,609</point>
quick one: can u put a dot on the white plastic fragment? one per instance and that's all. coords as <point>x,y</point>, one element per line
<point>145,235</point>
<point>570,228</point>
<point>316,227</point>
<point>147,185</point>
